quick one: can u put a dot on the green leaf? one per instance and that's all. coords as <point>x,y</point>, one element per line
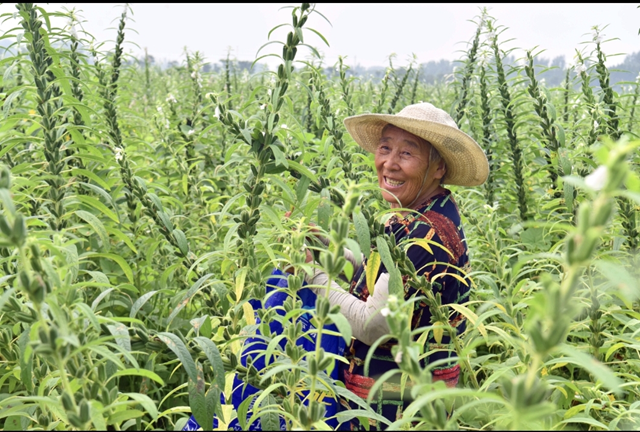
<point>303,170</point>
<point>117,258</point>
<point>176,345</point>
<point>121,335</point>
<point>185,300</point>
<point>97,226</point>
<point>362,232</point>
<point>26,360</point>
<point>120,416</point>
<point>181,239</point>
<point>270,420</point>
<point>534,239</point>
<point>93,202</point>
<point>147,403</point>
<point>601,372</point>
<point>213,355</point>
<point>324,209</point>
<point>137,372</point>
<point>98,299</point>
<point>140,302</point>
<point>197,400</point>
<point>96,415</point>
<point>395,280</point>
<point>371,270</point>
<point>5,297</point>
<point>343,326</point>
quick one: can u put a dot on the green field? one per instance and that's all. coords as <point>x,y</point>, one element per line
<point>142,208</point>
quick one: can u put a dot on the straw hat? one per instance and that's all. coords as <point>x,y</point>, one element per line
<point>466,162</point>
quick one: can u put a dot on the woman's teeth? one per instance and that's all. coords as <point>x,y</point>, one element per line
<point>393,182</point>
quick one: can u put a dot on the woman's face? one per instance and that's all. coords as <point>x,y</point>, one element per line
<point>401,162</point>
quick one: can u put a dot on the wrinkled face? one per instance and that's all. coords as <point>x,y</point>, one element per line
<point>401,162</point>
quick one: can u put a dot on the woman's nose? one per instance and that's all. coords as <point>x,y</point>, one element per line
<point>392,161</point>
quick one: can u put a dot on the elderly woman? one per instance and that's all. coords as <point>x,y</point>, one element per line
<point>416,151</point>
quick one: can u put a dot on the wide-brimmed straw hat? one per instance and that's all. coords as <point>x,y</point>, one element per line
<point>466,162</point>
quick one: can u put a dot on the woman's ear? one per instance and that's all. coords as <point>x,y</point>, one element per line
<point>441,170</point>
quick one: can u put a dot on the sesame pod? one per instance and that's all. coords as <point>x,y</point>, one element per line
<point>53,335</point>
<point>4,226</point>
<point>44,336</point>
<point>74,419</point>
<point>43,420</point>
<point>302,415</point>
<point>80,372</point>
<point>322,307</point>
<point>37,289</point>
<point>25,280</point>
<point>67,402</point>
<point>5,178</point>
<point>85,413</point>
<point>95,389</point>
<point>19,229</point>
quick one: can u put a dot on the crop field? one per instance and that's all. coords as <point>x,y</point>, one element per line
<point>142,210</point>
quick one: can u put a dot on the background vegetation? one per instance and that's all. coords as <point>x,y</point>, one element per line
<point>143,208</point>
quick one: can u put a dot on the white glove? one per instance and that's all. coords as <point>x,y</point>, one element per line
<point>367,324</point>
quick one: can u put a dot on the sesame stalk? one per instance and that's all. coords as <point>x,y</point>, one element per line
<point>49,104</point>
<point>544,108</point>
<point>399,89</point>
<point>510,119</point>
<point>487,132</point>
<point>469,64</point>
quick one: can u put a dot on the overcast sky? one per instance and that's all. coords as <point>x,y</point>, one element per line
<point>366,33</point>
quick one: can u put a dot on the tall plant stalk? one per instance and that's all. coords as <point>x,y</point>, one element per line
<point>542,106</point>
<point>470,63</point>
<point>510,119</point>
<point>49,104</point>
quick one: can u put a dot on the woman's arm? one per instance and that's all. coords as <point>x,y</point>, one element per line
<point>367,325</point>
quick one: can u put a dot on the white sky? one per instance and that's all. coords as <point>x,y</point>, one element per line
<point>366,33</point>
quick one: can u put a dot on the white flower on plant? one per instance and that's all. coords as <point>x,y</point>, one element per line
<point>167,125</point>
<point>595,124</point>
<point>217,112</point>
<point>597,38</point>
<point>119,152</point>
<point>283,126</point>
<point>194,74</point>
<point>73,31</point>
<point>598,178</point>
<point>398,357</point>
<point>190,132</point>
<point>15,15</point>
<point>491,35</point>
<point>171,99</point>
<point>269,92</point>
<point>263,106</point>
<point>385,312</point>
<point>159,108</point>
<point>581,68</point>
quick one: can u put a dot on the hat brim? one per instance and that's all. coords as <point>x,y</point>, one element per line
<point>466,162</point>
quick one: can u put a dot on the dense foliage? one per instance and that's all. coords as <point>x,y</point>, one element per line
<point>142,209</point>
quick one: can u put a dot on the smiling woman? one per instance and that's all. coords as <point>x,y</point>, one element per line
<point>415,151</point>
<point>409,168</point>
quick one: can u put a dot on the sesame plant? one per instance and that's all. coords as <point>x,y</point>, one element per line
<point>143,209</point>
